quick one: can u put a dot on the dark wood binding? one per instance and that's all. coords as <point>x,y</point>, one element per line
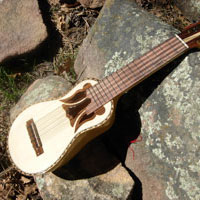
<point>34,137</point>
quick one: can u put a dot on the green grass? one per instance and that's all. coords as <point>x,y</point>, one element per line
<point>64,62</point>
<point>9,90</point>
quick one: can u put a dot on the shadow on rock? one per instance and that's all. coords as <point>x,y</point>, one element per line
<point>104,153</point>
<point>94,159</point>
<point>44,51</point>
<point>127,126</point>
<point>136,192</point>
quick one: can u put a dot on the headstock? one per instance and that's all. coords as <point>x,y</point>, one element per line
<point>191,35</point>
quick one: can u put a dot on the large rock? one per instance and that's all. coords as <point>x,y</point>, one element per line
<point>116,39</point>
<point>166,161</point>
<point>94,173</point>
<point>21,26</point>
<point>190,8</point>
<point>170,148</point>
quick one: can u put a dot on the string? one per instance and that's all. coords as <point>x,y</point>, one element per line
<point>51,130</point>
<point>155,60</point>
<point>47,117</point>
<point>52,124</point>
<point>47,122</point>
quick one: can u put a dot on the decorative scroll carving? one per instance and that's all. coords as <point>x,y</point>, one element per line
<point>85,117</point>
<point>78,95</point>
<point>73,111</point>
<point>75,106</point>
<point>34,136</point>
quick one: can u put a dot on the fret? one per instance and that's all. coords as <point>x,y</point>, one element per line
<point>166,55</point>
<point>116,83</point>
<point>120,77</point>
<point>120,85</point>
<point>109,90</point>
<point>156,61</point>
<point>172,46</point>
<point>155,67</point>
<point>101,92</point>
<point>107,93</point>
<point>125,69</point>
<point>92,96</point>
<point>96,95</point>
<point>142,63</point>
<point>102,89</point>
<point>139,69</point>
<point>130,68</point>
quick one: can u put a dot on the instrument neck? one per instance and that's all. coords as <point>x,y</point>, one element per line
<point>135,72</point>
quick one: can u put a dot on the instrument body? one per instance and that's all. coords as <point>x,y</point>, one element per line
<point>60,140</point>
<point>48,134</point>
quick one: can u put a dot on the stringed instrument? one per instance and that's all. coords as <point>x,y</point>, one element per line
<point>48,134</point>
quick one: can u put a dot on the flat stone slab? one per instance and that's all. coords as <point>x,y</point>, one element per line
<point>166,162</point>
<point>21,26</point>
<point>168,157</point>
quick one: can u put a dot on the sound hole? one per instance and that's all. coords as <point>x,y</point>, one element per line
<point>75,107</point>
<point>73,111</point>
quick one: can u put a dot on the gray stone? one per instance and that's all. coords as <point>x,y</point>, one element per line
<point>190,8</point>
<point>166,162</point>
<point>116,39</point>
<point>171,134</point>
<point>21,26</point>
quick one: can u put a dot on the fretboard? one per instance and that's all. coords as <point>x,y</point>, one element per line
<point>133,73</point>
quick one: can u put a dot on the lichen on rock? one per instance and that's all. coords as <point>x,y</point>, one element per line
<point>168,155</point>
<point>181,143</point>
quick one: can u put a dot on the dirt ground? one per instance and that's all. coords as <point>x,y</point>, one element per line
<point>73,23</point>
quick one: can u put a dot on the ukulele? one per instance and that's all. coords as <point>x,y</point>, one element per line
<point>48,134</point>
